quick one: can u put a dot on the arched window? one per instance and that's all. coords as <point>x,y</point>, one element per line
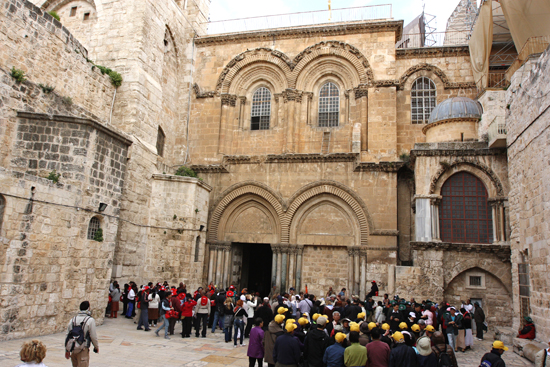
<point>423,100</point>
<point>197,248</point>
<point>160,142</point>
<point>465,215</point>
<point>93,226</point>
<point>261,109</point>
<point>329,105</point>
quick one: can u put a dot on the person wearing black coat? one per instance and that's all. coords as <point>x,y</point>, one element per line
<point>316,343</point>
<point>402,355</point>
<point>494,358</point>
<point>373,290</point>
<point>265,313</point>
<point>395,317</point>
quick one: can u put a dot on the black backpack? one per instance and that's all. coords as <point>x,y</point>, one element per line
<point>76,338</point>
<point>444,359</point>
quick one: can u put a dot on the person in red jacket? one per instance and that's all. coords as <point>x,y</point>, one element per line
<point>175,303</point>
<point>187,313</point>
<point>528,331</point>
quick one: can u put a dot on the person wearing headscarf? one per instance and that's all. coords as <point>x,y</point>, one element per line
<point>528,331</point>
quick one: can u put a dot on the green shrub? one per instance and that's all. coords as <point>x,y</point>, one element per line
<point>116,78</point>
<point>55,15</point>
<point>46,88</point>
<point>53,176</point>
<point>18,74</point>
<point>185,171</point>
<point>98,235</point>
<point>405,157</point>
<point>67,100</point>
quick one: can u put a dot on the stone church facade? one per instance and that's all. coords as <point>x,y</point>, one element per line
<point>317,164</point>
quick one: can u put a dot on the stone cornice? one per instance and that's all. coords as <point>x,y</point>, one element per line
<point>378,167</point>
<point>109,130</point>
<point>464,152</point>
<point>426,52</point>
<point>199,94</point>
<point>385,232</point>
<point>163,177</point>
<point>332,157</point>
<point>502,250</point>
<point>310,31</point>
<point>209,168</point>
<point>447,121</point>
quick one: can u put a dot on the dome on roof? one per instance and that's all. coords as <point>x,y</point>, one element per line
<point>455,108</point>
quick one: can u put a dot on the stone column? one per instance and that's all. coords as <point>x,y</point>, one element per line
<point>435,218</point>
<point>391,279</point>
<point>219,266</point>
<point>356,275</point>
<point>495,220</point>
<point>363,281</point>
<point>227,266</point>
<point>274,249</point>
<point>501,222</point>
<point>279,268</point>
<point>350,268</point>
<point>423,220</point>
<point>211,263</point>
<point>361,98</point>
<point>299,252</point>
<point>284,269</point>
<point>228,100</point>
<point>292,267</point>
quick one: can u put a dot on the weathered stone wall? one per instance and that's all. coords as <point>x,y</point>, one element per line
<point>459,130</point>
<point>527,124</point>
<point>494,106</point>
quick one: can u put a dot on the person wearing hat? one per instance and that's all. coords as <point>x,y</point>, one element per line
<point>542,358</point>
<point>395,317</point>
<point>528,331</point>
<point>274,330</point>
<point>401,355</point>
<point>439,345</point>
<point>378,352</point>
<point>373,289</point>
<point>365,329</point>
<point>316,343</point>
<point>287,348</point>
<point>493,358</point>
<point>334,355</point>
<point>403,326</point>
<point>411,319</point>
<point>415,329</point>
<point>345,325</point>
<point>356,354</point>
<point>426,356</point>
<point>453,320</point>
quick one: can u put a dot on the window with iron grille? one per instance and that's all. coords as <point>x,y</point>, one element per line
<point>423,100</point>
<point>261,109</point>
<point>475,281</point>
<point>329,105</point>
<point>93,226</point>
<point>523,273</point>
<point>160,142</point>
<point>465,215</point>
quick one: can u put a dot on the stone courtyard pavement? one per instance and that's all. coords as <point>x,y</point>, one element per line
<point>122,345</point>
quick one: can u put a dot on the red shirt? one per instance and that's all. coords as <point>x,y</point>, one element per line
<point>187,308</point>
<point>378,354</point>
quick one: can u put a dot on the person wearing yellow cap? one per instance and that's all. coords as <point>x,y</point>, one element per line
<point>355,354</point>
<point>316,343</point>
<point>274,330</point>
<point>401,354</point>
<point>287,348</point>
<point>353,326</point>
<point>334,355</point>
<point>493,358</point>
<point>403,326</point>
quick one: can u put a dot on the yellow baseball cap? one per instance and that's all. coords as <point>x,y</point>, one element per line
<point>403,326</point>
<point>497,344</point>
<point>290,320</point>
<point>397,336</point>
<point>416,328</point>
<point>361,315</point>
<point>340,337</point>
<point>430,328</point>
<point>385,326</point>
<point>353,326</point>
<point>303,321</point>
<point>282,310</point>
<point>315,316</point>
<point>290,327</point>
<point>279,319</point>
<point>372,325</point>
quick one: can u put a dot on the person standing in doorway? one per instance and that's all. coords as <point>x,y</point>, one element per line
<point>479,318</point>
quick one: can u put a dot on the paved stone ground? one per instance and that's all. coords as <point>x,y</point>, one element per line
<point>122,345</point>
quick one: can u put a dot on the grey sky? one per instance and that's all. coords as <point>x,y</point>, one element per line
<point>402,9</point>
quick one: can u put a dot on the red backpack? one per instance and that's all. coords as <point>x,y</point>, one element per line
<point>204,301</point>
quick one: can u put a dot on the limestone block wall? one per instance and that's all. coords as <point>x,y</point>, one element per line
<point>449,131</point>
<point>527,122</point>
<point>494,106</point>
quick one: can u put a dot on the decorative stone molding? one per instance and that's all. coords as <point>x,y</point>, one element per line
<point>430,52</point>
<point>378,167</point>
<point>502,251</point>
<point>229,100</point>
<point>209,168</point>
<point>50,5</point>
<point>362,90</point>
<point>385,232</point>
<point>453,149</point>
<point>324,30</point>
<point>199,94</point>
<point>242,99</point>
<point>237,159</point>
<point>386,83</point>
<point>389,248</point>
<point>292,95</point>
<point>468,161</point>
<point>437,71</point>
<point>305,158</point>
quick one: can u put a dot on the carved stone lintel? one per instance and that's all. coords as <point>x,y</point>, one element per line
<point>229,100</point>
<point>276,248</point>
<point>299,249</point>
<point>242,99</point>
<point>199,94</point>
<point>292,95</point>
<point>361,91</point>
<point>309,95</point>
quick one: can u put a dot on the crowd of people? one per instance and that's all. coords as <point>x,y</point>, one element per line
<point>293,328</point>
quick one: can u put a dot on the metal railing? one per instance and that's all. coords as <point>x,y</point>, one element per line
<point>361,13</point>
<point>497,132</point>
<point>533,45</point>
<point>434,39</point>
<point>495,80</point>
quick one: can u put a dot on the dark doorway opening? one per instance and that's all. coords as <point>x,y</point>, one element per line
<point>256,267</point>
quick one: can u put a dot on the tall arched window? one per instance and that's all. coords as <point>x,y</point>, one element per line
<point>329,105</point>
<point>465,215</point>
<point>261,109</point>
<point>93,226</point>
<point>423,100</point>
<point>197,248</point>
<point>160,142</point>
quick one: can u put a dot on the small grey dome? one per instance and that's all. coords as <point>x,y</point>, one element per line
<point>456,107</point>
